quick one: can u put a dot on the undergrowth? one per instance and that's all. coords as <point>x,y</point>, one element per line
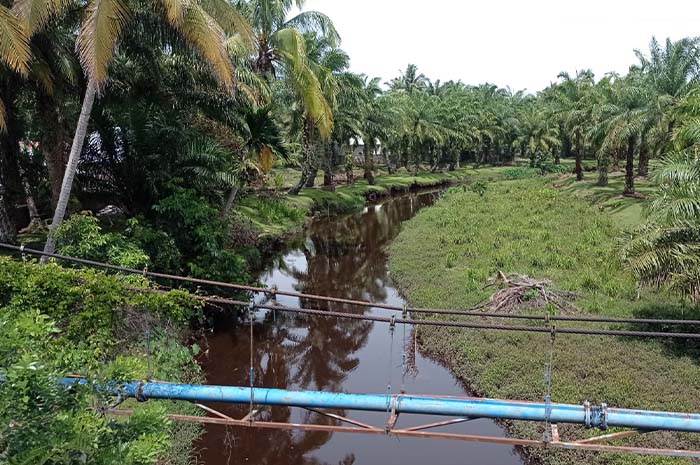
<point>56,321</point>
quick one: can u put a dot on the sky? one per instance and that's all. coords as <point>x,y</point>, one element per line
<point>521,44</point>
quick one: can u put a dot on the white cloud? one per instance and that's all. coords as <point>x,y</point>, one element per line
<point>523,44</point>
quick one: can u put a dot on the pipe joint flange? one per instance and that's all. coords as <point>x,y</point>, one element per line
<point>587,414</point>
<point>599,416</point>
<point>138,392</point>
<point>603,416</point>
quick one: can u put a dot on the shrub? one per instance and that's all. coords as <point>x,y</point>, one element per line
<point>200,235</point>
<point>81,236</point>
<point>520,172</point>
<point>55,321</point>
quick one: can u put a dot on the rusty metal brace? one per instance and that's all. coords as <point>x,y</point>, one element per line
<point>394,416</point>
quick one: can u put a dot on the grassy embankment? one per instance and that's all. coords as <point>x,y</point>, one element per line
<point>569,235</point>
<point>278,215</point>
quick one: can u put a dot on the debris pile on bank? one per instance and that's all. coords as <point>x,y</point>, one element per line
<point>517,292</point>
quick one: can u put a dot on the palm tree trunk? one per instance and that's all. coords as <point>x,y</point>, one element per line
<point>311,177</point>
<point>54,139</point>
<point>349,165</point>
<point>603,161</point>
<point>579,158</point>
<point>369,164</point>
<point>7,229</point>
<point>629,168</point>
<point>306,153</point>
<point>73,159</point>
<point>35,223</point>
<point>643,168</point>
<point>230,202</point>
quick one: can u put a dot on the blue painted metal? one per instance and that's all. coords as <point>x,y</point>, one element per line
<point>599,416</point>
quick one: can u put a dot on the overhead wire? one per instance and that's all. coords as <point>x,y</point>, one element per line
<point>403,320</point>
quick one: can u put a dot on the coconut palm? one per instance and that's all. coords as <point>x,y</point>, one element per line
<point>99,33</point>
<point>281,53</point>
<point>14,48</point>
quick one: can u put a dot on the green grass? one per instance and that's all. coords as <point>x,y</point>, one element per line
<point>527,226</point>
<point>625,211</point>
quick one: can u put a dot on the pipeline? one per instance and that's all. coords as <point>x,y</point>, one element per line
<point>599,416</point>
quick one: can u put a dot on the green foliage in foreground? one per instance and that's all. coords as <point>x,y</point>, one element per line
<point>56,321</point>
<point>526,226</point>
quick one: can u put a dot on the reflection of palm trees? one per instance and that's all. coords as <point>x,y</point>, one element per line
<point>345,258</point>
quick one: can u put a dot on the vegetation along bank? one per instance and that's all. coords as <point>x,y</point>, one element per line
<point>570,235</point>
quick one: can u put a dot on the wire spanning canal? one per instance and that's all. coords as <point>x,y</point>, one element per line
<point>340,257</point>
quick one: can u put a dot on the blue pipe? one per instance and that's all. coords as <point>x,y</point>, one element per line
<point>591,416</point>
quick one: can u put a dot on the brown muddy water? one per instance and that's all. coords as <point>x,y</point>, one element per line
<point>342,257</point>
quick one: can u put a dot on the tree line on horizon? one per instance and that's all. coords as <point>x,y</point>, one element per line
<point>171,108</point>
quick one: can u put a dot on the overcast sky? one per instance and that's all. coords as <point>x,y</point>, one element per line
<point>522,44</point>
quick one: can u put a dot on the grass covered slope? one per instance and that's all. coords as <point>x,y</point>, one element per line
<point>444,257</point>
<point>278,215</point>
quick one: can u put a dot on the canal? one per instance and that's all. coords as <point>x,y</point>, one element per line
<point>345,257</point>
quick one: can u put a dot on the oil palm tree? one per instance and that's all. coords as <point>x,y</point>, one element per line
<point>263,141</point>
<point>670,71</point>
<point>573,96</point>
<point>374,123</point>
<point>410,80</point>
<point>628,122</point>
<point>666,249</point>
<point>102,26</point>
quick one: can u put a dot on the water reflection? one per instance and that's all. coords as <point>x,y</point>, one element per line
<point>341,257</point>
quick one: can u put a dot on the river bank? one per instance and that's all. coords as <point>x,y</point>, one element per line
<point>445,255</point>
<point>275,217</point>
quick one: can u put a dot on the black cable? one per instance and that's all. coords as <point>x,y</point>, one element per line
<point>273,291</point>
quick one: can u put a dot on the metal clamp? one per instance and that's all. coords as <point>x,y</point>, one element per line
<point>603,416</point>
<point>138,392</point>
<point>586,414</point>
<point>404,313</point>
<point>392,323</point>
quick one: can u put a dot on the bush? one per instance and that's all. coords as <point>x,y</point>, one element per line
<point>81,236</point>
<point>200,235</point>
<point>55,321</point>
<point>520,172</point>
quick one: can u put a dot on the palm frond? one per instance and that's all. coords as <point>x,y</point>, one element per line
<point>14,43</point>
<point>203,33</point>
<point>103,24</point>
<point>314,21</point>
<point>36,14</point>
